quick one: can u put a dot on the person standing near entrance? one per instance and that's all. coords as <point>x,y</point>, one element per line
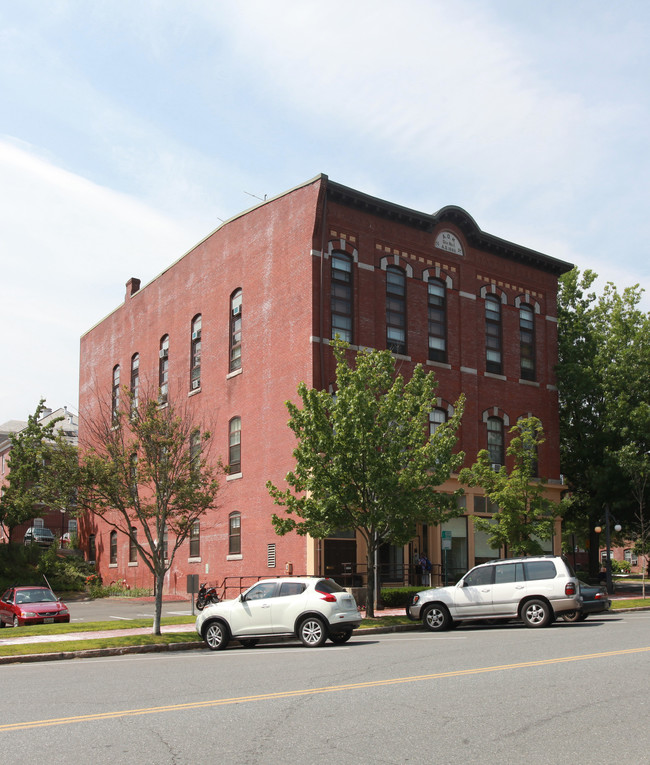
<point>425,565</point>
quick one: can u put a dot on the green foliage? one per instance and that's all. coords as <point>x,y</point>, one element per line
<point>604,393</point>
<point>29,458</point>
<point>620,566</point>
<point>524,512</point>
<point>20,564</point>
<point>398,597</point>
<point>364,460</point>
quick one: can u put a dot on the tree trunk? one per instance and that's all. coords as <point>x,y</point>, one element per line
<point>370,586</point>
<point>159,581</point>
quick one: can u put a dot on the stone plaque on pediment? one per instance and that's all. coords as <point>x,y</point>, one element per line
<point>449,243</point>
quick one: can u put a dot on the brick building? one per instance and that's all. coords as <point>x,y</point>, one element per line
<point>236,323</point>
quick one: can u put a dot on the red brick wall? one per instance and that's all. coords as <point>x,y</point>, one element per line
<point>268,253</point>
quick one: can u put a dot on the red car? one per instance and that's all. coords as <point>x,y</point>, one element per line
<point>31,605</point>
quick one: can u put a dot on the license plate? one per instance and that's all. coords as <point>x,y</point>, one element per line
<point>48,620</point>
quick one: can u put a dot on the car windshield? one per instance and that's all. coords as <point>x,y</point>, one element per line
<point>36,595</point>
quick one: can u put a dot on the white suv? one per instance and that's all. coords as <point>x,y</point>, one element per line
<point>534,589</point>
<point>310,608</point>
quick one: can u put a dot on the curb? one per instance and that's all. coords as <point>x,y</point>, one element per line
<point>93,653</point>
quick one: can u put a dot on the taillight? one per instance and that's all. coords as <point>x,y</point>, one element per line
<point>326,596</point>
<point>570,588</point>
<point>599,596</point>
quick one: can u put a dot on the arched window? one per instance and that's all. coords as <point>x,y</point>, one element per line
<point>113,548</point>
<point>527,342</point>
<point>437,417</point>
<point>235,330</point>
<point>234,534</point>
<point>195,354</point>
<point>341,296</point>
<point>495,441</point>
<point>195,451</point>
<point>133,548</point>
<point>135,381</point>
<point>493,360</point>
<point>437,320</point>
<point>163,370</point>
<point>115,393</point>
<point>395,310</point>
<point>234,445</point>
<point>195,540</point>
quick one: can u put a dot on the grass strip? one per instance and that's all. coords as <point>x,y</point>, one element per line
<point>118,624</point>
<point>93,643</point>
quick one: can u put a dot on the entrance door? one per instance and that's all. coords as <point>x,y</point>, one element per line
<point>340,558</point>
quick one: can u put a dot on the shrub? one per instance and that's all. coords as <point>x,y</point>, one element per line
<point>620,566</point>
<point>398,597</point>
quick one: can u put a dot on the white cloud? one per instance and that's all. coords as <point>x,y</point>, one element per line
<point>69,247</point>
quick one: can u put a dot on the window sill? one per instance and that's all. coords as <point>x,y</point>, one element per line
<point>439,364</point>
<point>532,383</point>
<point>194,392</point>
<point>234,374</point>
<point>112,565</point>
<point>495,376</point>
<point>234,557</point>
<point>234,476</point>
<point>194,560</point>
<point>133,563</point>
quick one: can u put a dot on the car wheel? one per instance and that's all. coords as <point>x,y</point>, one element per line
<point>436,618</point>
<point>215,635</point>
<point>249,642</point>
<point>340,637</point>
<point>2,624</point>
<point>15,621</point>
<point>536,613</point>
<point>582,617</point>
<point>572,616</point>
<point>312,632</point>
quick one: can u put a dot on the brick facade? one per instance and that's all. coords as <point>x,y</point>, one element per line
<point>280,255</point>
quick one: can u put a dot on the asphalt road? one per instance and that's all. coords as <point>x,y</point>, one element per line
<point>572,693</point>
<point>123,609</point>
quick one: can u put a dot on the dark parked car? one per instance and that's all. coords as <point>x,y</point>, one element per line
<point>31,605</point>
<point>594,601</point>
<point>38,535</point>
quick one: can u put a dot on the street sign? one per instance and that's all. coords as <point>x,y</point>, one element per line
<point>446,540</point>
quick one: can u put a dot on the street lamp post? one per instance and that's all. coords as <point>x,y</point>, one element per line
<point>608,545</point>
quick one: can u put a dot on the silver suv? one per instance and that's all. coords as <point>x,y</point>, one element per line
<point>310,608</point>
<point>535,590</point>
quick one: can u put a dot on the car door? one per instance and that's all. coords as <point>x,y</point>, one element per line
<point>251,615</point>
<point>508,589</point>
<point>6,614</point>
<point>287,606</point>
<point>473,594</point>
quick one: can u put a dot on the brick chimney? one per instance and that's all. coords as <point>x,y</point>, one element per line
<point>132,286</point>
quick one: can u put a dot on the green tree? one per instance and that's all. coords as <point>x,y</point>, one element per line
<point>637,467</point>
<point>364,459</point>
<point>144,470</point>
<point>604,392</point>
<point>29,456</point>
<point>524,514</point>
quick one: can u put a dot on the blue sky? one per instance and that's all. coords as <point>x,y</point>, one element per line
<point>130,130</point>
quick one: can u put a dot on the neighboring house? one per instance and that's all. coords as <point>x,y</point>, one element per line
<point>234,325</point>
<point>57,521</point>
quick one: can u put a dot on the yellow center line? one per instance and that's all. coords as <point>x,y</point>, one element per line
<point>311,691</point>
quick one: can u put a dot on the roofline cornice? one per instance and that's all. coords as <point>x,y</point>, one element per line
<point>421,221</point>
